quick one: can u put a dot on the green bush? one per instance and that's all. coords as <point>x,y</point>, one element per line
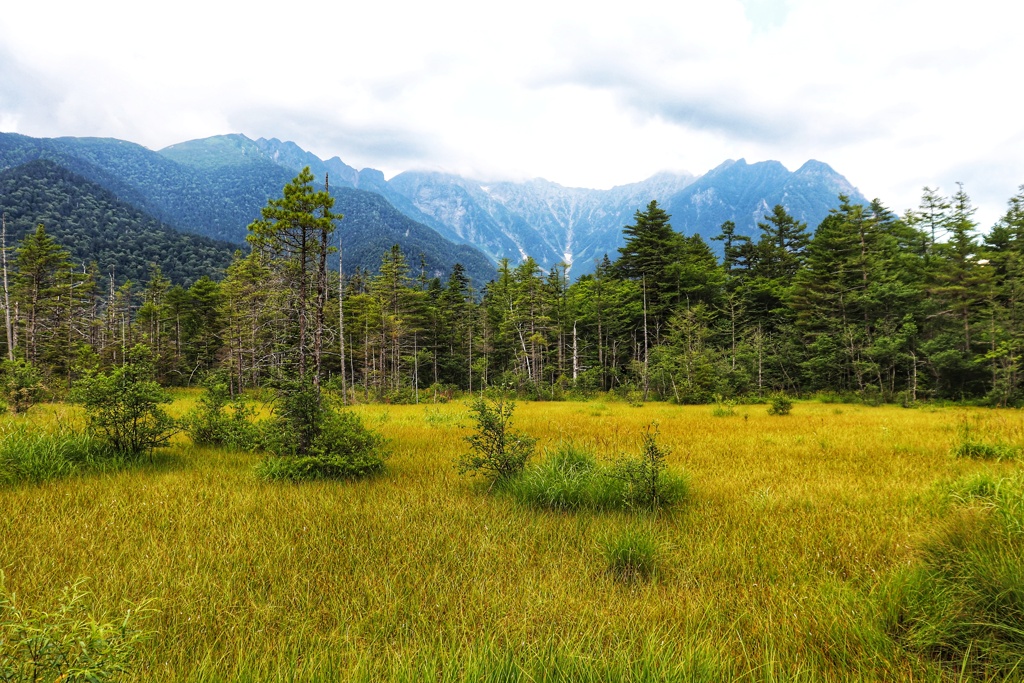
<point>220,420</point>
<point>631,554</point>
<point>496,450</point>
<point>648,484</point>
<point>780,404</point>
<point>67,644</point>
<point>723,407</point>
<point>905,399</point>
<point>299,414</point>
<point>123,406</point>
<point>21,384</point>
<point>343,448</point>
<point>964,603</point>
<point>29,456</point>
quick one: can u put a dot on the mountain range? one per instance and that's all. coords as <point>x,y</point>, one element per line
<point>216,186</point>
<point>542,219</point>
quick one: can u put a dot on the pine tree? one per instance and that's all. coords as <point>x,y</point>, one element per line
<point>36,286</point>
<point>294,231</point>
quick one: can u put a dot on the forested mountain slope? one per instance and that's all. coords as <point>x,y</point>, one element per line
<point>209,196</point>
<point>95,226</point>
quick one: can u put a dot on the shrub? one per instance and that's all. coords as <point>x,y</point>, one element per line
<point>67,644</point>
<point>631,554</point>
<point>780,405</point>
<point>723,407</point>
<point>298,418</point>
<point>441,393</point>
<point>343,448</point>
<point>220,420</point>
<point>22,385</point>
<point>123,406</point>
<point>648,483</point>
<point>964,603</point>
<point>496,450</point>
<point>35,457</point>
<point>872,395</point>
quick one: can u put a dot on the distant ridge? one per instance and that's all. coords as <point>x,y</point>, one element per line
<point>550,222</point>
<point>215,186</point>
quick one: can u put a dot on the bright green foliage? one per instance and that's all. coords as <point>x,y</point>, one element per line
<point>299,418</point>
<point>570,478</point>
<point>67,644</point>
<point>123,406</point>
<point>32,456</point>
<point>687,365</point>
<point>496,450</point>
<point>310,439</point>
<point>631,554</point>
<point>649,485</point>
<point>220,419</point>
<point>22,385</point>
<point>780,404</point>
<point>723,407</point>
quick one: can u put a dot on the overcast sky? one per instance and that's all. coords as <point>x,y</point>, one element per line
<point>894,94</point>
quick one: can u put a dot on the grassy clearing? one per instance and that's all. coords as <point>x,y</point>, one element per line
<point>777,566</point>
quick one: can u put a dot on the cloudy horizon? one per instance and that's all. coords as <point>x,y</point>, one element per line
<point>893,95</point>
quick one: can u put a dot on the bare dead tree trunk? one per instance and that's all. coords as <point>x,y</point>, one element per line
<point>646,386</point>
<point>575,354</point>
<point>341,322</point>
<point>7,296</point>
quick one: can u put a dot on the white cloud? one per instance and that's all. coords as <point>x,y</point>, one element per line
<point>894,94</point>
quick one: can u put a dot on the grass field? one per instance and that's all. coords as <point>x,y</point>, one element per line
<point>777,568</point>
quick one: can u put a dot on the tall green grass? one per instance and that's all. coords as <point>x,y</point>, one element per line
<point>632,554</point>
<point>964,603</point>
<point>570,477</point>
<point>29,455</point>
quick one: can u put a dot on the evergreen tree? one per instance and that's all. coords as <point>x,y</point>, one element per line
<point>294,231</point>
<point>36,286</point>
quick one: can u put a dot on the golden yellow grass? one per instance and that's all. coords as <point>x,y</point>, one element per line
<point>772,569</point>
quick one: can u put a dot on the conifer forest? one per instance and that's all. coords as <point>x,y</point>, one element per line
<point>866,305</point>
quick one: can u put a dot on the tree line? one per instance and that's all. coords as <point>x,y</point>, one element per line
<point>868,305</point>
